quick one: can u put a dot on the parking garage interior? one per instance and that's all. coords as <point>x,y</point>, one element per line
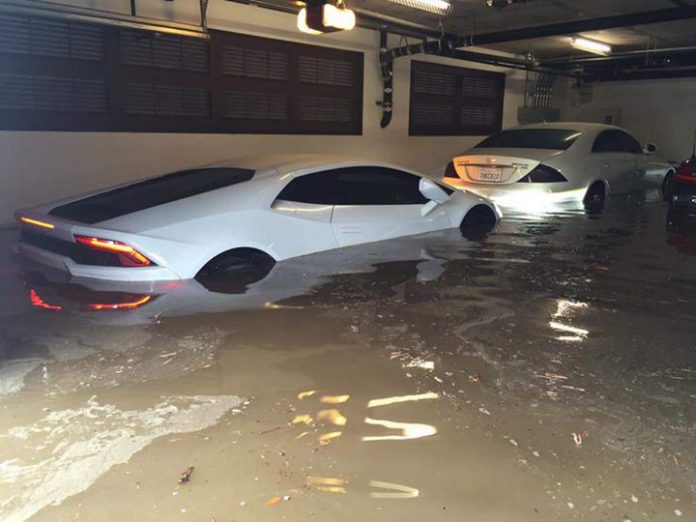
<point>539,369</point>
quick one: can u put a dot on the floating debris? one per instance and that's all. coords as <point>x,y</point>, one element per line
<point>186,475</point>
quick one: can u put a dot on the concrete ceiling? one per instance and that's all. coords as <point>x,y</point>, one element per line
<point>475,17</point>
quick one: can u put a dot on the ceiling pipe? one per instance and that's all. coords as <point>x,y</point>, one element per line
<point>560,29</point>
<point>620,56</point>
<point>671,14</point>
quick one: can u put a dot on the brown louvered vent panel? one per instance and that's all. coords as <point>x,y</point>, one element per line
<point>433,82</point>
<point>325,72</point>
<point>45,93</point>
<point>15,36</point>
<point>256,105</point>
<point>480,87</point>
<point>477,116</point>
<point>164,51</point>
<point>50,38</point>
<point>324,109</point>
<point>61,75</point>
<point>433,114</point>
<point>453,101</point>
<point>166,100</point>
<point>254,63</point>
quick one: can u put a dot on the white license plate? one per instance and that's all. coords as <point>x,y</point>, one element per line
<point>490,174</point>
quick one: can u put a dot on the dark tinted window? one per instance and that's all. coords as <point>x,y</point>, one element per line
<point>607,141</point>
<point>355,186</point>
<point>617,141</point>
<point>628,143</point>
<point>150,193</point>
<point>551,139</point>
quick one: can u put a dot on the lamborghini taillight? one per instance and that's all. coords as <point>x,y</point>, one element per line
<point>126,254</point>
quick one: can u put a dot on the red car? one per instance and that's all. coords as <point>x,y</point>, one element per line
<point>681,188</point>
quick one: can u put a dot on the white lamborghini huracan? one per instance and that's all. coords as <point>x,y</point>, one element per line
<point>215,217</point>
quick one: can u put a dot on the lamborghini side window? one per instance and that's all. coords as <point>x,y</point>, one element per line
<point>318,188</point>
<point>379,186</point>
<point>355,186</point>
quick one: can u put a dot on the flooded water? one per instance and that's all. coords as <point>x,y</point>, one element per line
<point>547,372</point>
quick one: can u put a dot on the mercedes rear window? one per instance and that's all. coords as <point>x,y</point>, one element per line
<point>150,193</point>
<point>550,139</point>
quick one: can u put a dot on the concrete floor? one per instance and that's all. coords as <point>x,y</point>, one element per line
<point>547,373</point>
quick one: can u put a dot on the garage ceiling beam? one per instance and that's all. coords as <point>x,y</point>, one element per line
<point>671,14</point>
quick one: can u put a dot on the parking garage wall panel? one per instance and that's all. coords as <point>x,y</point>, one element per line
<point>71,76</point>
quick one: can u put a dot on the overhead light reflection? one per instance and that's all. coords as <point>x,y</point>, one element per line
<point>334,399</point>
<point>398,491</point>
<point>409,430</point>
<point>334,417</point>
<point>376,403</point>
<point>328,484</point>
<point>568,333</point>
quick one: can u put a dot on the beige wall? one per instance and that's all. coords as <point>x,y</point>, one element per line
<point>36,167</point>
<point>658,111</point>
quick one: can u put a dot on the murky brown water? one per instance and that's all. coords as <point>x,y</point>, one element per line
<point>547,373</point>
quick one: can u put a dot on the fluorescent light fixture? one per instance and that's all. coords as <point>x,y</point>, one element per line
<point>439,7</point>
<point>338,17</point>
<point>591,46</point>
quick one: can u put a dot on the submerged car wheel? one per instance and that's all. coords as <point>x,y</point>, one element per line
<point>595,197</point>
<point>478,223</point>
<point>232,272</point>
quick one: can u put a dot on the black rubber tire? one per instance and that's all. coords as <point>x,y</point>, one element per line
<point>478,223</point>
<point>667,186</point>
<point>595,197</point>
<point>232,272</point>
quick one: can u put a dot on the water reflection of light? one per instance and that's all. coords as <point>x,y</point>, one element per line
<point>580,332</point>
<point>420,363</point>
<point>334,417</point>
<point>334,399</point>
<point>375,403</point>
<point>540,203</point>
<point>569,333</point>
<point>38,302</point>
<point>328,484</point>
<point>303,419</point>
<point>398,491</point>
<point>409,430</point>
<point>326,438</point>
<point>565,307</point>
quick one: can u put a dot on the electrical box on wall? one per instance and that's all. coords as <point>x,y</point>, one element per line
<point>527,115</point>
